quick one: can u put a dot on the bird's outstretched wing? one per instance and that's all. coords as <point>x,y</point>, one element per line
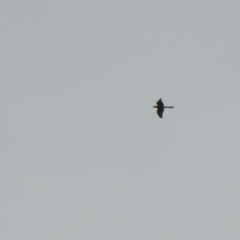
<point>160,103</point>
<point>160,112</point>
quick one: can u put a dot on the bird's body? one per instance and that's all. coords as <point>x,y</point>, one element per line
<point>160,108</point>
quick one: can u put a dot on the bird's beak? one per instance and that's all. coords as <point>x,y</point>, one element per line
<point>154,106</point>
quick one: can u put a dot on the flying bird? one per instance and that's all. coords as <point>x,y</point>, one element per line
<point>160,108</point>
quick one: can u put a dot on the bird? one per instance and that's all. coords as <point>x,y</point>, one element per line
<point>160,107</point>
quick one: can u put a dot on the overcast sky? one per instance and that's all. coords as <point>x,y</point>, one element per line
<point>83,155</point>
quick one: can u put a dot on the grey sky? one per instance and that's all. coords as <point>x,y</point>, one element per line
<point>83,153</point>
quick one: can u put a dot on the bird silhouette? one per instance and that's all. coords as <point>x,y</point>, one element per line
<point>160,107</point>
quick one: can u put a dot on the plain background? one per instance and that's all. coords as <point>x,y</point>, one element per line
<point>83,155</point>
